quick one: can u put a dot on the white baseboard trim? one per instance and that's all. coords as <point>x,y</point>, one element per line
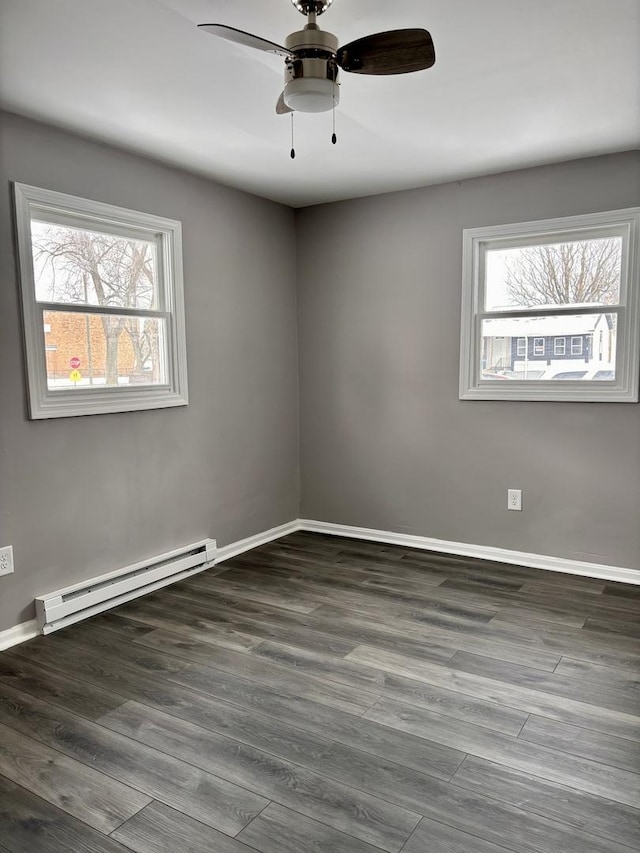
<point>235,548</point>
<point>18,634</point>
<point>28,630</point>
<point>482,552</point>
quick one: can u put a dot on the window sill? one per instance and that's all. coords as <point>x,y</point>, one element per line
<point>567,393</point>
<point>71,404</point>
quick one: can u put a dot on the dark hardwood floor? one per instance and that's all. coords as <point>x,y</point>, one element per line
<point>332,696</point>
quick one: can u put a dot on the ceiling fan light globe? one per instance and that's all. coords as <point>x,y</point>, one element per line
<point>316,7</point>
<point>311,95</point>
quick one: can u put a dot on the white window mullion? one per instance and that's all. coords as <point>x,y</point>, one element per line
<point>556,311</point>
<point>75,308</point>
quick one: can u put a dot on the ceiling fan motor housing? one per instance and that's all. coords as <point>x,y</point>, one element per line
<point>311,76</point>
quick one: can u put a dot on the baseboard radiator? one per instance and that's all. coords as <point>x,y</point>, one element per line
<point>66,606</point>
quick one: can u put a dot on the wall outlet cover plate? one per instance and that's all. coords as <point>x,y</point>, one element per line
<point>6,560</point>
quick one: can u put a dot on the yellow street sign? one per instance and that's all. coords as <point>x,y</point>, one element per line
<point>75,376</point>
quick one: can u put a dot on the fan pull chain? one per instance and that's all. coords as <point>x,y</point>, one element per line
<point>293,150</point>
<point>334,138</point>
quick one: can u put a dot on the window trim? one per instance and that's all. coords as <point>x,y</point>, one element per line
<point>62,208</point>
<point>560,345</point>
<point>521,351</point>
<point>625,223</point>
<point>577,348</point>
<point>538,349</point>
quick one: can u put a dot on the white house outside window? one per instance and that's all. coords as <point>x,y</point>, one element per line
<point>102,304</point>
<point>561,280</point>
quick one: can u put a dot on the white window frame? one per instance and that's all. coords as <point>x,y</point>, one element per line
<point>521,346</point>
<point>577,345</point>
<point>44,402</point>
<point>538,349</point>
<point>623,223</point>
<point>559,346</point>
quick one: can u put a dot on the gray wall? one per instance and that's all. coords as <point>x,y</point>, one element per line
<point>81,496</point>
<point>385,441</point>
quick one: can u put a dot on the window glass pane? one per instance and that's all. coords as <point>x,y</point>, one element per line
<point>582,272</point>
<point>74,265</point>
<point>94,350</point>
<point>503,357</point>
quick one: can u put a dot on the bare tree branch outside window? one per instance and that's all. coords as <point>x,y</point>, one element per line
<point>575,273</point>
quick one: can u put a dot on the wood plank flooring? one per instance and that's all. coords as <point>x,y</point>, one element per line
<point>333,696</point>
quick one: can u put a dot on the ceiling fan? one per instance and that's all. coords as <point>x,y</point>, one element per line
<point>313,57</point>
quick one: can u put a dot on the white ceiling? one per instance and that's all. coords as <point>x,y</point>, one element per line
<point>516,83</point>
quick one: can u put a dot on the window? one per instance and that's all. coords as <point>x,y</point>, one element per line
<point>554,279</point>
<point>102,306</point>
<point>521,346</point>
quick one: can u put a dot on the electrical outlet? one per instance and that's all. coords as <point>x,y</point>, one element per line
<point>514,499</point>
<point>6,560</point>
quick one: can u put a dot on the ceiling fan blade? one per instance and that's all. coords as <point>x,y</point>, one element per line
<point>393,52</point>
<point>281,107</point>
<point>247,39</point>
